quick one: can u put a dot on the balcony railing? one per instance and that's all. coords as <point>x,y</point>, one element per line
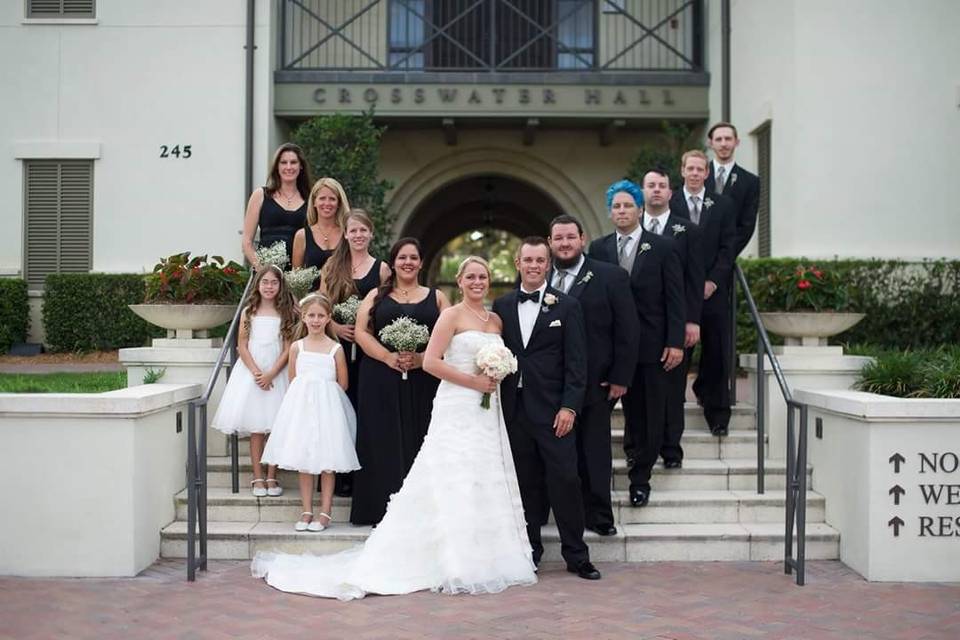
<point>491,35</point>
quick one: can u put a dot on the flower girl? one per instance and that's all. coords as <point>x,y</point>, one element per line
<point>315,430</point>
<point>257,383</point>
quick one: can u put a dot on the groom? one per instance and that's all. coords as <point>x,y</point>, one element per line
<point>544,329</point>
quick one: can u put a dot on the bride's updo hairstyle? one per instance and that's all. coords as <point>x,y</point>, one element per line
<point>308,301</point>
<point>473,260</point>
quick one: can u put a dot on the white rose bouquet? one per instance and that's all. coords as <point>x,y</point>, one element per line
<point>405,334</point>
<point>496,361</point>
<point>346,313</point>
<point>275,254</point>
<point>301,279</point>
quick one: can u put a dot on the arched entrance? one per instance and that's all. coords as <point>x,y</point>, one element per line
<point>478,203</point>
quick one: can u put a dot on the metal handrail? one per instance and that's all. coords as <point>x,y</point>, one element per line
<point>197,449</point>
<point>796,482</point>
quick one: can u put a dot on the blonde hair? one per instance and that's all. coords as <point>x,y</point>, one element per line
<point>343,205</point>
<point>317,298</point>
<point>693,153</point>
<point>473,260</point>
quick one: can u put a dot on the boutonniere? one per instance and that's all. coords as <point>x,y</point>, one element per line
<point>733,179</point>
<point>678,229</point>
<point>708,202</point>
<point>548,301</point>
<point>586,277</point>
<point>644,247</point>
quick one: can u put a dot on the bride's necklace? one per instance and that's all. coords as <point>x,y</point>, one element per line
<point>483,319</point>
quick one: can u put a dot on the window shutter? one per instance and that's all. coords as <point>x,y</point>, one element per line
<point>763,169</point>
<point>58,212</point>
<point>61,8</point>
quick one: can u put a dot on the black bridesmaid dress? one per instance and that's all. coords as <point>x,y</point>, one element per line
<point>392,418</point>
<point>313,255</point>
<point>277,223</point>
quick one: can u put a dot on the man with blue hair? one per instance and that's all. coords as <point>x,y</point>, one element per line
<point>656,282</point>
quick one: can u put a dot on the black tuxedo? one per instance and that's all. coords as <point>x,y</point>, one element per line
<point>717,229</point>
<point>613,335</point>
<point>744,191</point>
<point>552,368</point>
<point>656,282</point>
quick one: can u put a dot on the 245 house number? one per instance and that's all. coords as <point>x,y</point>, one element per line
<point>177,151</point>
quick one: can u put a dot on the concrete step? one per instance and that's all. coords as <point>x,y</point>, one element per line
<point>666,507</point>
<point>703,444</point>
<point>742,419</point>
<point>633,543</point>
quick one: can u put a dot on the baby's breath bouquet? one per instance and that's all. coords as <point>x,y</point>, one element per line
<point>275,254</point>
<point>496,361</point>
<point>405,334</point>
<point>346,313</point>
<point>301,279</point>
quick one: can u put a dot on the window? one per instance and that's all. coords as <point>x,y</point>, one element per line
<point>58,211</point>
<point>407,34</point>
<point>61,8</point>
<point>575,34</point>
<point>762,134</point>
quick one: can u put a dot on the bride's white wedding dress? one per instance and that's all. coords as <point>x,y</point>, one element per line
<point>456,525</point>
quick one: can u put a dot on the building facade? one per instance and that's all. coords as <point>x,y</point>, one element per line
<point>135,129</point>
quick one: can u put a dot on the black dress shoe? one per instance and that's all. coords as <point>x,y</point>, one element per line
<point>672,464</point>
<point>720,430</point>
<point>639,497</point>
<point>604,529</point>
<point>585,570</point>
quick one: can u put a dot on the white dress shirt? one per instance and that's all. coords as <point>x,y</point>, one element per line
<point>527,312</point>
<point>570,274</point>
<point>700,194</point>
<point>634,238</point>
<point>664,218</point>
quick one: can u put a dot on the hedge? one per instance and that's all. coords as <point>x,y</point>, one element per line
<point>14,312</point>
<point>84,312</point>
<point>908,305</point>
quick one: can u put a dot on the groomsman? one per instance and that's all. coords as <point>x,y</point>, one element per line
<point>660,217</point>
<point>728,178</point>
<point>543,327</point>
<point>656,282</point>
<point>715,217</point>
<point>613,337</point>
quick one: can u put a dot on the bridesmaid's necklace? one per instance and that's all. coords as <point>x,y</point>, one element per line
<point>289,198</point>
<point>480,317</point>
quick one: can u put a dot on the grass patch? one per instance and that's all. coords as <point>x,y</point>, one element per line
<point>928,373</point>
<point>82,382</point>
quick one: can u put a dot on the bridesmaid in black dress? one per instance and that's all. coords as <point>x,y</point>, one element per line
<point>393,414</point>
<point>279,208</point>
<point>326,210</point>
<point>352,271</point>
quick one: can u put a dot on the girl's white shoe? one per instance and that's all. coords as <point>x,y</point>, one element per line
<point>258,492</point>
<point>276,489</point>
<point>316,526</point>
<point>301,525</point>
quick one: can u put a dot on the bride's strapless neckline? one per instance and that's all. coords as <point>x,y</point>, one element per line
<point>489,333</point>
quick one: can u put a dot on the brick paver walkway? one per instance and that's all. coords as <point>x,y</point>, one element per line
<point>659,600</point>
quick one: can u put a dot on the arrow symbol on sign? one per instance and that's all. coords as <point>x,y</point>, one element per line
<point>896,491</point>
<point>896,523</point>
<point>897,460</point>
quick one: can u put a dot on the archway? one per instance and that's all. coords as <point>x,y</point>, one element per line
<point>487,212</point>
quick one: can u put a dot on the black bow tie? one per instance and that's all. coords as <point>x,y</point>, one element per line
<point>523,296</point>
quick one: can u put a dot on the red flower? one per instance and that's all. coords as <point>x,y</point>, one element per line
<point>803,285</point>
<point>818,274</point>
<point>229,271</point>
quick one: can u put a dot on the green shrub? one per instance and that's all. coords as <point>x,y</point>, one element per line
<point>929,373</point>
<point>907,305</point>
<point>14,312</point>
<point>664,152</point>
<point>88,311</point>
<point>347,148</point>
<point>180,279</point>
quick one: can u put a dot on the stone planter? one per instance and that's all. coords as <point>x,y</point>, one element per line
<point>808,328</point>
<point>185,321</point>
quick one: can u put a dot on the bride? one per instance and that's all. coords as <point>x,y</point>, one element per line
<point>456,525</point>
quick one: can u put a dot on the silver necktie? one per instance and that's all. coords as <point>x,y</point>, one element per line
<point>654,225</point>
<point>695,209</point>
<point>623,254</point>
<point>721,179</point>
<point>558,279</point>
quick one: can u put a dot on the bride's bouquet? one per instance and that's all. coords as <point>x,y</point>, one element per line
<point>496,361</point>
<point>346,313</point>
<point>405,334</point>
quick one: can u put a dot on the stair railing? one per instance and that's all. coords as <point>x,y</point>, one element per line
<point>197,449</point>
<point>796,481</point>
